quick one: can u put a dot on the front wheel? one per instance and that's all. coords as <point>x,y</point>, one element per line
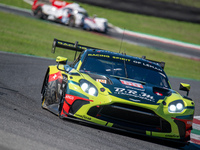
<point>49,95</point>
<point>72,21</point>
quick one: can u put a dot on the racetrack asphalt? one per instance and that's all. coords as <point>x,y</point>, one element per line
<point>25,125</point>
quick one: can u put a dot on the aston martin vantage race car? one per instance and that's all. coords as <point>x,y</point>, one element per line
<point>117,91</point>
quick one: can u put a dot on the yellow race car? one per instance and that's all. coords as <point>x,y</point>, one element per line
<point>117,91</point>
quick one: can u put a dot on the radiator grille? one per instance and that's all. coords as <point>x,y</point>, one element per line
<point>129,116</point>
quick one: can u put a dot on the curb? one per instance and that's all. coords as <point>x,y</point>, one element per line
<point>195,134</point>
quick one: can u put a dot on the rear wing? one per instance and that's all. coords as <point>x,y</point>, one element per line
<point>162,64</point>
<point>70,46</point>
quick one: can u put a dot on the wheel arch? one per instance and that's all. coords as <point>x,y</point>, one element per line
<point>50,70</point>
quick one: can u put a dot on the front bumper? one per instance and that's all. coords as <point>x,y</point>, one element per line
<point>131,118</point>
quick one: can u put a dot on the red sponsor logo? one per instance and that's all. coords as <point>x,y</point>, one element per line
<point>132,84</point>
<point>71,98</point>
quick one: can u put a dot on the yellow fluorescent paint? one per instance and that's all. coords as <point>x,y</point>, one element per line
<point>187,86</point>
<point>109,124</point>
<point>53,69</point>
<point>148,132</point>
<point>160,101</point>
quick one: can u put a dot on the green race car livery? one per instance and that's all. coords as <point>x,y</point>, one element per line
<point>118,91</point>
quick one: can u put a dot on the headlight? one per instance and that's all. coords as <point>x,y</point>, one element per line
<point>176,106</point>
<point>88,87</point>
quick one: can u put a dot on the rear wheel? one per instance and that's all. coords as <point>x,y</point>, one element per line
<point>38,13</point>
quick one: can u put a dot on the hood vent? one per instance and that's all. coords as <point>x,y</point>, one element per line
<point>161,91</point>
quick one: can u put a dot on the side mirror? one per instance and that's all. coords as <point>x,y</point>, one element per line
<point>185,87</point>
<point>61,60</point>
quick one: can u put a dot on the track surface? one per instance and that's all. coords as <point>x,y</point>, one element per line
<point>159,45</point>
<point>25,125</point>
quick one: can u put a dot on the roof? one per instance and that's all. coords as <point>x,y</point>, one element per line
<point>77,47</point>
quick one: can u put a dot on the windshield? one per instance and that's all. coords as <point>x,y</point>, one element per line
<point>126,69</point>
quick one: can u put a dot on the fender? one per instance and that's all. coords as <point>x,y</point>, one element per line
<point>51,71</point>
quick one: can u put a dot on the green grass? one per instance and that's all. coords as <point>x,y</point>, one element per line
<point>34,37</point>
<point>17,3</point>
<point>177,30</point>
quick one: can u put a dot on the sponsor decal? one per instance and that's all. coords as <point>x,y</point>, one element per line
<point>83,116</point>
<point>134,100</point>
<point>146,65</point>
<point>121,58</point>
<point>71,45</point>
<point>134,93</point>
<point>171,135</point>
<point>101,80</point>
<point>99,55</point>
<point>132,84</point>
<point>108,56</point>
<point>69,97</point>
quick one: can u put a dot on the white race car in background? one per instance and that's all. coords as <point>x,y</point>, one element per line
<point>95,24</point>
<point>71,14</point>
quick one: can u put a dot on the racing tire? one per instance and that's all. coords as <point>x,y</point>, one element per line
<point>86,27</point>
<point>39,14</point>
<point>60,108</point>
<point>106,28</point>
<point>71,21</point>
<point>49,96</point>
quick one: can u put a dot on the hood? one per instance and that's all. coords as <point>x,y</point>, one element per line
<point>132,90</point>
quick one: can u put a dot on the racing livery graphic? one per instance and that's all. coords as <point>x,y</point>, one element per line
<point>117,91</point>
<point>95,24</point>
<point>71,14</point>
